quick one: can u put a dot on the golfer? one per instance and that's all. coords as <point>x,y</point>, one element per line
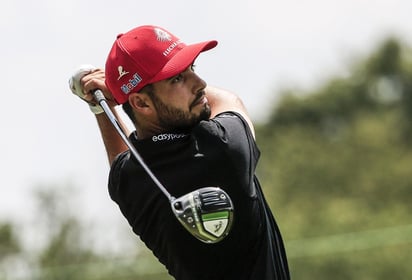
<point>190,135</point>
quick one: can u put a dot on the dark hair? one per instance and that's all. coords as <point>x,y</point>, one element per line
<point>127,108</point>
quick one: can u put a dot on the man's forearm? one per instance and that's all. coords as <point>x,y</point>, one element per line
<point>223,101</point>
<point>113,143</point>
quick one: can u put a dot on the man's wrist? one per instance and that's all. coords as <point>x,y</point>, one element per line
<point>96,109</point>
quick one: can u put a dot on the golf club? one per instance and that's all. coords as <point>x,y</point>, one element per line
<point>206,213</point>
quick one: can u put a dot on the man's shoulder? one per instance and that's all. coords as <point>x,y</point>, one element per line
<point>120,160</point>
<point>224,120</point>
<point>225,128</point>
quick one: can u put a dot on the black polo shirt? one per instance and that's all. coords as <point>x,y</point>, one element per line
<point>220,152</point>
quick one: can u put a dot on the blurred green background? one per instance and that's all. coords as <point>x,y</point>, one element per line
<point>336,167</point>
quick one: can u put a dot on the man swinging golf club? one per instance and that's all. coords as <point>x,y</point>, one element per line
<point>192,157</point>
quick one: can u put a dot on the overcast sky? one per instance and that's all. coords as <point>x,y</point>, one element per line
<point>50,137</point>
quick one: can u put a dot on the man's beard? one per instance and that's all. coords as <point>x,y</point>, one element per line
<point>176,119</point>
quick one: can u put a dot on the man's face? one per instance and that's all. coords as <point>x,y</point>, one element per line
<point>180,101</point>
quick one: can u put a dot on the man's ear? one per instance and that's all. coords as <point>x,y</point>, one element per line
<point>140,102</point>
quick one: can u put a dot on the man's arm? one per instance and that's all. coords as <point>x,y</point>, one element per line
<point>222,101</point>
<point>113,143</point>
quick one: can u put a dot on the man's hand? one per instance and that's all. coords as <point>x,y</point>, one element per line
<point>85,81</point>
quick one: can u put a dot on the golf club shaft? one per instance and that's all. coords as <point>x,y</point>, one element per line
<point>99,97</point>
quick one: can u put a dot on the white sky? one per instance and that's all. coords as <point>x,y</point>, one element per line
<point>49,136</point>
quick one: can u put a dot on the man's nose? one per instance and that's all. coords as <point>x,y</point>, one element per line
<point>198,83</point>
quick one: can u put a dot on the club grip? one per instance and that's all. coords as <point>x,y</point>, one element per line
<point>98,96</point>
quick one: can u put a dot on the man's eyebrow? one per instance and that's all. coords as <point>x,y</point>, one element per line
<point>171,78</point>
<point>175,76</point>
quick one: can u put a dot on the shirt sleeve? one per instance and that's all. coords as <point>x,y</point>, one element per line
<point>232,127</point>
<point>114,175</point>
<point>231,132</point>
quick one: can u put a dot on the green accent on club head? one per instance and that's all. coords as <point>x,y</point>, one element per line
<point>215,216</point>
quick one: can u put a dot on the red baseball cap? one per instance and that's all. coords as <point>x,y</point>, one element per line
<point>145,55</point>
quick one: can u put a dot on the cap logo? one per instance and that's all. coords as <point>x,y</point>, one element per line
<point>162,35</point>
<point>122,72</point>
<point>127,88</point>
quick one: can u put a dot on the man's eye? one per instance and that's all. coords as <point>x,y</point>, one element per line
<point>177,79</point>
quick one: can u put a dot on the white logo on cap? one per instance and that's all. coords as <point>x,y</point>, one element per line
<point>122,72</point>
<point>162,35</point>
<point>127,88</point>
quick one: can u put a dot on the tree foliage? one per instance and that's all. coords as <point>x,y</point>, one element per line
<point>338,160</point>
<point>9,243</point>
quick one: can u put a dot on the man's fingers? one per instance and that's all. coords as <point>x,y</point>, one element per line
<point>92,81</point>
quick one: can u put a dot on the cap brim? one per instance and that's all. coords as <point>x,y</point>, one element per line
<point>183,59</point>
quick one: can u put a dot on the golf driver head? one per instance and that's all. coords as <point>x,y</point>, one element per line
<point>207,213</point>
